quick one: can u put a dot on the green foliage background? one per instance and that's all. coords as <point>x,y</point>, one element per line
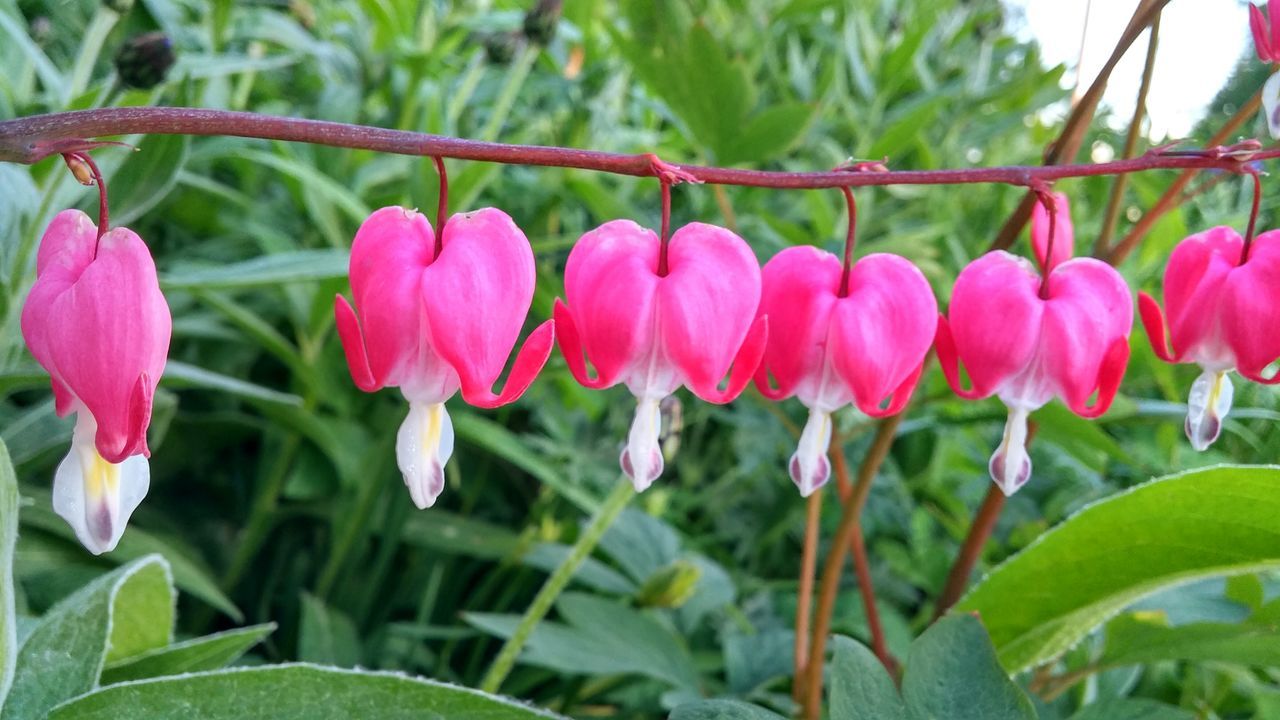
<point>275,496</point>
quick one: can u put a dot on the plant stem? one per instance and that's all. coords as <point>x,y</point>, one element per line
<point>804,599</point>
<point>832,568</point>
<point>984,521</point>
<point>556,583</point>
<point>1112,214</point>
<point>30,139</point>
<point>1173,196</point>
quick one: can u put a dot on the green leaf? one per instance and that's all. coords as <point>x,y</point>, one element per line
<point>268,270</point>
<point>1131,709</point>
<point>496,439</point>
<point>292,692</point>
<point>144,178</point>
<point>180,374</point>
<point>860,686</point>
<point>458,535</point>
<point>65,653</point>
<point>142,612</point>
<point>751,661</point>
<point>8,538</point>
<point>1147,637</point>
<point>723,710</point>
<point>599,637</point>
<point>1204,523</point>
<point>952,674</point>
<point>327,635</point>
<point>210,652</point>
<point>770,133</point>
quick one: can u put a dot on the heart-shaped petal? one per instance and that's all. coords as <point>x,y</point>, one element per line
<point>799,287</point>
<point>1251,309</point>
<point>1193,282</point>
<point>1087,312</point>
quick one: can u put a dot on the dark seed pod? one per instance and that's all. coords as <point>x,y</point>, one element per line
<point>144,60</point>
<point>540,22</point>
<point>501,47</point>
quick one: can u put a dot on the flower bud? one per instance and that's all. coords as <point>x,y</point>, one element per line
<point>144,60</point>
<point>540,22</point>
<point>670,586</point>
<point>500,47</point>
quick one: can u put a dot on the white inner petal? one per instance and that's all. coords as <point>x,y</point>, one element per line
<point>1010,466</point>
<point>424,444</point>
<point>1207,406</point>
<point>641,460</point>
<point>1271,104</point>
<point>809,467</point>
<point>94,496</point>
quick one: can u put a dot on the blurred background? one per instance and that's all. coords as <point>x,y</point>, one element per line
<point>275,492</point>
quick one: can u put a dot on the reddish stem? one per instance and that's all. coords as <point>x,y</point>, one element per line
<point>442,207</point>
<point>804,596</point>
<point>848,241</point>
<point>666,227</point>
<point>1045,196</point>
<point>26,140</point>
<point>1253,217</point>
<point>78,162</point>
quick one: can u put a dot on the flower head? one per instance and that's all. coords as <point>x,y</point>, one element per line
<point>657,332</point>
<point>1028,346</point>
<point>1223,314</point>
<point>436,324</point>
<point>97,322</point>
<point>1266,31</point>
<point>833,342</point>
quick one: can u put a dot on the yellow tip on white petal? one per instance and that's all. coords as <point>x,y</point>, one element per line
<point>641,459</point>
<point>1207,406</point>
<point>424,444</point>
<point>94,496</point>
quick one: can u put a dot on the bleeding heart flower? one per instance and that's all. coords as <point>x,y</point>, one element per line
<point>434,320</point>
<point>1027,345</point>
<point>1266,33</point>
<point>657,332</point>
<point>830,345</point>
<point>1224,314</point>
<point>96,321</point>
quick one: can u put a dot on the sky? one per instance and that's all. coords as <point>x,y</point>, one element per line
<point>1200,41</point>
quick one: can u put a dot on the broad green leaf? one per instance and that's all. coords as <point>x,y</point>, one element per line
<point>641,543</point>
<point>142,612</point>
<point>494,438</point>
<point>144,178</point>
<point>268,270</point>
<point>770,133</point>
<point>458,535</point>
<point>952,674</point>
<point>327,635</point>
<point>64,655</point>
<point>1131,709</point>
<point>1173,530</point>
<point>8,537</point>
<point>292,692</point>
<point>599,637</point>
<point>861,688</point>
<point>753,660</point>
<point>1147,637</point>
<point>723,710</point>
<point>180,374</point>
<point>211,652</point>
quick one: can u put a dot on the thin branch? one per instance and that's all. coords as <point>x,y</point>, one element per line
<point>804,599</point>
<point>30,139</point>
<point>1112,214</point>
<point>832,568</point>
<point>1173,196</point>
<point>984,521</point>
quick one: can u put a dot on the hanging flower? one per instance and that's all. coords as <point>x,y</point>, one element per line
<point>97,322</point>
<point>655,331</point>
<point>1266,33</point>
<point>836,340</point>
<point>437,315</point>
<point>1223,301</point>
<point>1029,339</point>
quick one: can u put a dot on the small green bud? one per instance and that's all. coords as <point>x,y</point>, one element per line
<point>144,60</point>
<point>670,586</point>
<point>540,22</point>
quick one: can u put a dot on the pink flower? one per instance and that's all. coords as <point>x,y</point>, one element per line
<point>1266,34</point>
<point>657,332</point>
<point>864,344</point>
<point>1028,346</point>
<point>1064,240</point>
<point>432,324</point>
<point>1224,314</point>
<point>96,321</point>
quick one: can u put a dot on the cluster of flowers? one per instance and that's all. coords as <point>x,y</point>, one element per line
<point>439,311</point>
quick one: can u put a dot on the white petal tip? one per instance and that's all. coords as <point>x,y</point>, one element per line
<point>95,497</point>
<point>643,477</point>
<point>1207,405</point>
<point>809,474</point>
<point>424,444</point>
<point>1010,465</point>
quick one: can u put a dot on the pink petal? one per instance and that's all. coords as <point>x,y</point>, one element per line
<point>1273,19</point>
<point>799,287</point>
<point>1088,311</point>
<point>391,251</point>
<point>882,330</point>
<point>610,282</point>
<point>1193,281</point>
<point>1261,37</point>
<point>944,345</point>
<point>101,327</point>
<point>706,304</point>
<point>1251,309</point>
<point>1153,321</point>
<point>1064,240</point>
<point>995,319</point>
<point>477,295</point>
